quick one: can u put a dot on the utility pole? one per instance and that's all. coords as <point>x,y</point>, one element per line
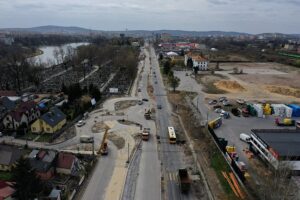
<point>93,147</point>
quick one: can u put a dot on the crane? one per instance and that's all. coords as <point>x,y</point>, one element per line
<point>103,147</point>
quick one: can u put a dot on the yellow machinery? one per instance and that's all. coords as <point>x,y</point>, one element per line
<point>104,147</point>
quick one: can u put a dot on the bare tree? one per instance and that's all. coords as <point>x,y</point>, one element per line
<point>279,185</point>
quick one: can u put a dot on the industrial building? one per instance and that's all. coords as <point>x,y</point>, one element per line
<point>277,146</point>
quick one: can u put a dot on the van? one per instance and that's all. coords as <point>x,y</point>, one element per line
<point>245,137</point>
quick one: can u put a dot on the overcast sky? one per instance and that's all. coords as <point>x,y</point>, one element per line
<point>252,16</point>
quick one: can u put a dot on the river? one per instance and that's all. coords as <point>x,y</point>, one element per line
<point>48,58</point>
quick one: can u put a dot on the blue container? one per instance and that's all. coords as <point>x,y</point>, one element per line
<point>296,110</point>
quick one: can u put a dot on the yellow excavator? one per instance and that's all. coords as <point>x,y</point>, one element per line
<point>104,147</point>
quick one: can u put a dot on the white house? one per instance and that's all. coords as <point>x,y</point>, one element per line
<point>198,61</point>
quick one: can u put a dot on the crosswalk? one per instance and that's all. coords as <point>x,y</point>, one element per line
<point>172,176</point>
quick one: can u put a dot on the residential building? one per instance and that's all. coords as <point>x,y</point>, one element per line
<point>6,190</point>
<point>199,61</point>
<point>67,164</point>
<point>43,161</point>
<point>23,114</point>
<point>9,155</point>
<point>49,122</point>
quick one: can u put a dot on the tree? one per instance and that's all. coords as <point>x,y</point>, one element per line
<point>278,185</point>
<point>167,67</point>
<point>27,184</point>
<point>196,69</point>
<point>173,82</point>
<point>189,63</point>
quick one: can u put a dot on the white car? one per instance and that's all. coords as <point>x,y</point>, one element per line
<point>80,123</point>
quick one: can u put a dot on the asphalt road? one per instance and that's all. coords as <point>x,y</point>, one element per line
<point>171,155</point>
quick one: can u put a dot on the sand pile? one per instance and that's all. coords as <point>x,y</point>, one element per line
<point>230,86</point>
<point>288,91</point>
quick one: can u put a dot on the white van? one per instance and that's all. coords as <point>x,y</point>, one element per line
<point>245,137</point>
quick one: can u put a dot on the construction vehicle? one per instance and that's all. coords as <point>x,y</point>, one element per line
<point>146,134</point>
<point>184,180</point>
<point>147,114</point>
<point>285,122</point>
<point>104,146</point>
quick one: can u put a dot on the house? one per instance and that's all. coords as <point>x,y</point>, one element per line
<point>49,122</point>
<point>67,164</point>
<point>23,114</point>
<point>43,161</point>
<point>199,61</point>
<point>6,190</point>
<point>9,155</point>
<point>54,195</point>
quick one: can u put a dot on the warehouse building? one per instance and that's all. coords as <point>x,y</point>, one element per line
<point>277,146</point>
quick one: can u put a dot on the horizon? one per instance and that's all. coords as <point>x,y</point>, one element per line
<point>162,29</point>
<point>254,16</point>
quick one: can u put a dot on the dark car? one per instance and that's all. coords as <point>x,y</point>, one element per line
<point>217,106</point>
<point>211,102</point>
<point>159,107</point>
<point>145,99</point>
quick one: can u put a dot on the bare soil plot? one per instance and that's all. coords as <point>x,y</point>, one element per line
<point>260,81</point>
<point>121,105</point>
<point>208,81</point>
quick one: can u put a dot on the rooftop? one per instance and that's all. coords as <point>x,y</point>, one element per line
<point>285,142</point>
<point>9,154</point>
<point>53,117</point>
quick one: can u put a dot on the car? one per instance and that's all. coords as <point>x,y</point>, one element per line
<point>218,110</point>
<point>140,102</point>
<point>139,90</point>
<point>186,74</point>
<point>211,102</point>
<point>1,134</point>
<point>225,103</point>
<point>217,106</point>
<point>155,82</point>
<point>240,101</point>
<point>144,99</point>
<point>159,106</point>
<point>80,123</point>
<point>224,114</point>
<point>221,99</point>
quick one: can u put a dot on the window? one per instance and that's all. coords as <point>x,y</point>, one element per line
<point>33,128</point>
<point>48,129</point>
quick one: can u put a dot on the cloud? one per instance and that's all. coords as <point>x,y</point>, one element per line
<point>234,15</point>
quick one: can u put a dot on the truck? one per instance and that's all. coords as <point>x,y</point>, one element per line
<point>216,123</point>
<point>146,134</point>
<point>285,122</point>
<point>184,180</point>
<point>147,114</point>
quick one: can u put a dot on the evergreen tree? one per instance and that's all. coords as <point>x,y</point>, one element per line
<point>27,184</point>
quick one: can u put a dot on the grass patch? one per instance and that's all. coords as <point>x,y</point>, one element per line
<point>208,80</point>
<point>45,138</point>
<point>5,176</point>
<point>219,164</point>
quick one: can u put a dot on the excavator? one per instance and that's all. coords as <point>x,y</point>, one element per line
<point>104,147</point>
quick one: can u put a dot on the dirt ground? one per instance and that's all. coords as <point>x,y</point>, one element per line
<point>118,141</point>
<point>260,81</point>
<point>121,105</point>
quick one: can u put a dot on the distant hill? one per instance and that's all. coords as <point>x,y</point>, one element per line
<point>51,30</point>
<point>138,33</point>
